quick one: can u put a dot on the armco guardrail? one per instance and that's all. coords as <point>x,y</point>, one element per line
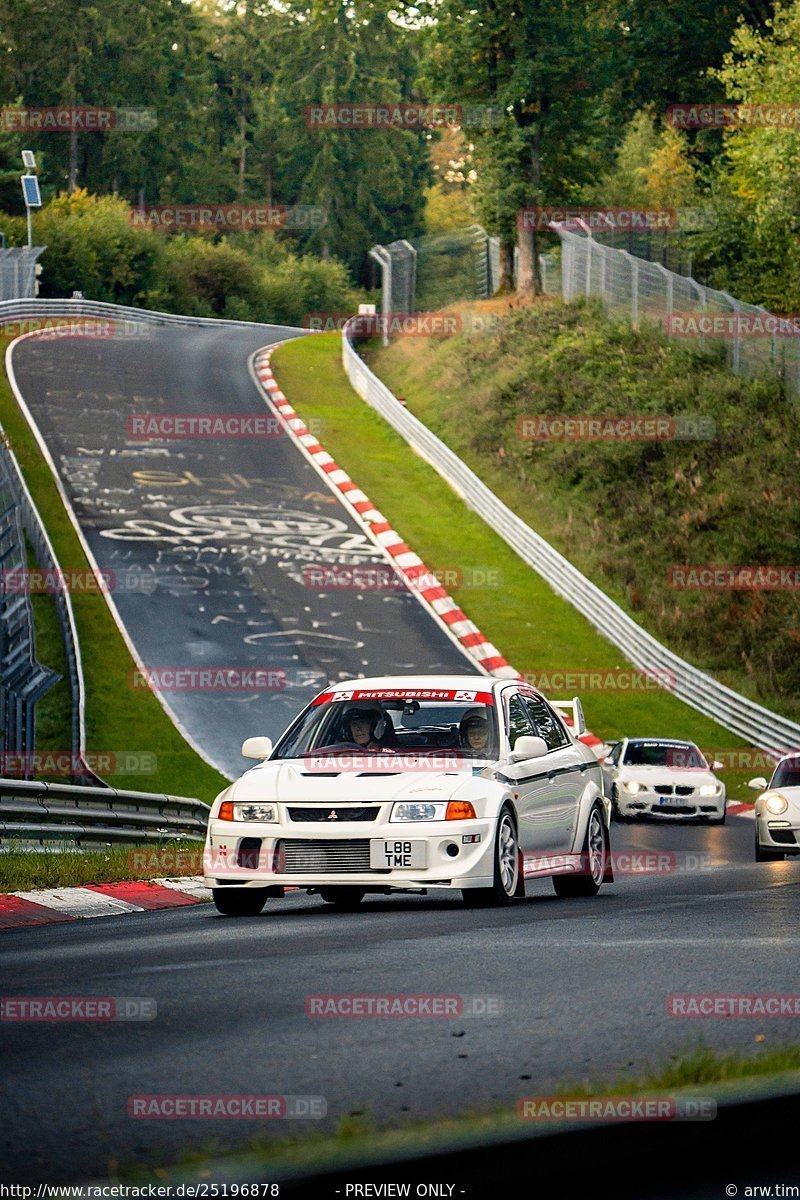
<point>767,730</point>
<point>27,310</point>
<point>34,813</point>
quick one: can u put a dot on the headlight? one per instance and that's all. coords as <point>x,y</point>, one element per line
<point>711,789</point>
<point>776,804</point>
<point>228,811</point>
<point>403,811</point>
<point>632,786</point>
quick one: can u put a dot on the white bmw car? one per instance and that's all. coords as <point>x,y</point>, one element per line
<point>778,811</point>
<point>660,777</point>
<point>400,784</point>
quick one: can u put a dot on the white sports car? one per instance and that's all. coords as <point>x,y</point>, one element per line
<point>414,782</point>
<point>778,811</point>
<point>660,777</point>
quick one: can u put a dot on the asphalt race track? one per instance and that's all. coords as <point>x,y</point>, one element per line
<point>582,986</point>
<point>210,541</point>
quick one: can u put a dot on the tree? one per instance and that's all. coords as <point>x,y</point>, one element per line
<point>543,64</point>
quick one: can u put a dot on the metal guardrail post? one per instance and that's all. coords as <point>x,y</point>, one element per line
<point>384,260</point>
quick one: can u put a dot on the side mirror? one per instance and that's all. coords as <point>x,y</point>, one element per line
<point>717,765</point>
<point>759,784</point>
<point>257,747</point>
<point>528,747</point>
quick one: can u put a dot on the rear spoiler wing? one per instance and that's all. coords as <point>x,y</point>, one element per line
<point>573,714</point>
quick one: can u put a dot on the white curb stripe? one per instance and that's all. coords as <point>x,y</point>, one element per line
<point>80,902</point>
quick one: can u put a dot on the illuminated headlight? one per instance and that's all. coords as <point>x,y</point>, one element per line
<point>632,786</point>
<point>403,811</point>
<point>776,804</point>
<point>711,789</point>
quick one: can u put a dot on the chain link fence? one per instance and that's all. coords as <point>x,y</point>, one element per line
<point>22,680</point>
<point>754,341</point>
<point>18,272</point>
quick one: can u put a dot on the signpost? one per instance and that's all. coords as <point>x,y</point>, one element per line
<point>30,189</point>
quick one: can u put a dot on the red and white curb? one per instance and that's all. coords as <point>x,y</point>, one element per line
<point>99,900</point>
<point>735,809</point>
<point>418,578</point>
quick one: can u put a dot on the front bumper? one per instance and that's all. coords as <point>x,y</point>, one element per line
<point>681,808</point>
<point>295,854</point>
<point>776,833</point>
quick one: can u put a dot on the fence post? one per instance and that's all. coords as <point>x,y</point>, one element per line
<point>384,259</point>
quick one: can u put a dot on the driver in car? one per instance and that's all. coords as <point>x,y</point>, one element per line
<point>474,732</point>
<point>366,726</point>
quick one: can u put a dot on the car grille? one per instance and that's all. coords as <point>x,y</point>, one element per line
<point>684,791</point>
<point>674,808</point>
<point>307,856</point>
<point>663,789</point>
<point>324,813</point>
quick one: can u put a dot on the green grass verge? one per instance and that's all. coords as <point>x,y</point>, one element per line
<point>29,870</point>
<point>626,512</point>
<point>118,718</point>
<point>538,632</point>
<point>357,1139</point>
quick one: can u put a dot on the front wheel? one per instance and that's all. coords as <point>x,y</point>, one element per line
<point>346,899</point>
<point>239,902</point>
<point>506,868</point>
<point>594,859</point>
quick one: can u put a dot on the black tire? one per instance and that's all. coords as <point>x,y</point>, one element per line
<point>239,901</point>
<point>346,899</point>
<point>507,868</point>
<point>594,857</point>
<point>616,815</point>
<point>767,855</point>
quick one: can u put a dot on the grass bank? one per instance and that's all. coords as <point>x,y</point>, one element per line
<point>539,633</point>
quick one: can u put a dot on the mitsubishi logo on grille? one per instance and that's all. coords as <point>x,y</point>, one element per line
<point>333,815</point>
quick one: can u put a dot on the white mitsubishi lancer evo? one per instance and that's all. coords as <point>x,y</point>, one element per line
<point>405,783</point>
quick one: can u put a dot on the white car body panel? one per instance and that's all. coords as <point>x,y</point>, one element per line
<point>551,797</point>
<point>678,795</point>
<point>779,832</point>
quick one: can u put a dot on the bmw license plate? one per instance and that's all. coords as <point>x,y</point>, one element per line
<point>674,801</point>
<point>396,852</point>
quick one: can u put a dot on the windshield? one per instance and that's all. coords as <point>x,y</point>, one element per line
<point>384,724</point>
<point>787,774</point>
<point>664,754</point>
